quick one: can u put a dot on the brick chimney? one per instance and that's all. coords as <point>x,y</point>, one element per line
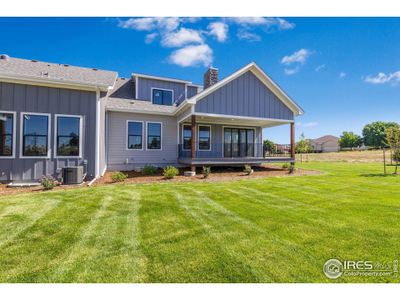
<point>210,77</point>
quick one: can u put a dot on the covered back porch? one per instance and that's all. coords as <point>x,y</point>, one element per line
<point>221,140</point>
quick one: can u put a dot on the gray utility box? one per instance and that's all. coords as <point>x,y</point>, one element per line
<point>73,175</point>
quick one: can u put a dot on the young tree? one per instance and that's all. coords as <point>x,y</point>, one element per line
<point>374,134</point>
<point>303,146</point>
<point>269,146</point>
<point>393,140</point>
<point>350,140</point>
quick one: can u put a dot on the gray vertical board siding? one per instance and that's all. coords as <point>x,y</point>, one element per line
<point>217,139</point>
<point>191,91</point>
<point>245,96</point>
<point>37,99</point>
<point>145,86</point>
<point>120,158</point>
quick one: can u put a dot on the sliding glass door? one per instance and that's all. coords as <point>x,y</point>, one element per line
<point>238,142</point>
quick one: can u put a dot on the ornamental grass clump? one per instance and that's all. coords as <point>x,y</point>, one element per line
<point>170,172</point>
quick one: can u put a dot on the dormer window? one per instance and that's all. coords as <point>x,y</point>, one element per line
<point>162,97</point>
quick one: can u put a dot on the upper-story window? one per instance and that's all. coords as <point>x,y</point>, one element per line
<point>35,135</point>
<point>6,134</point>
<point>162,97</point>
<point>68,136</point>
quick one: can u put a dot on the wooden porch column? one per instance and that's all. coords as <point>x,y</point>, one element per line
<point>193,167</point>
<point>292,143</point>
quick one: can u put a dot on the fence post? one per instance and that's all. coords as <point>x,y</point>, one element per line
<point>384,161</point>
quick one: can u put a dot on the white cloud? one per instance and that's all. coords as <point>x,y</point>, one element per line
<point>306,125</point>
<point>291,71</point>
<point>150,37</point>
<point>278,23</point>
<point>151,23</point>
<point>181,37</point>
<point>342,75</point>
<point>243,34</point>
<point>299,56</point>
<point>382,78</point>
<point>319,68</point>
<point>192,55</point>
<point>219,30</point>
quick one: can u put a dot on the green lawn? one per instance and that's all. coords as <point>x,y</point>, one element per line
<point>279,229</point>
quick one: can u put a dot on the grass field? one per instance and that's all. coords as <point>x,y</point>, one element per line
<point>277,229</point>
<point>345,156</point>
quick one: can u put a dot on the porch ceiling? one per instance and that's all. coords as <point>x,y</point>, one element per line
<point>236,120</point>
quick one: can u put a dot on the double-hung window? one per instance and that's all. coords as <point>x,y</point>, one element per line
<point>153,136</point>
<point>7,134</point>
<point>204,137</point>
<point>68,136</point>
<point>162,97</point>
<point>187,137</point>
<point>35,135</point>
<point>135,135</point>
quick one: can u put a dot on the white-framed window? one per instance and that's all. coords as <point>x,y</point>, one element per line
<point>162,96</point>
<point>204,137</point>
<point>68,136</point>
<point>154,136</point>
<point>35,135</point>
<point>186,137</point>
<point>7,134</point>
<point>134,135</point>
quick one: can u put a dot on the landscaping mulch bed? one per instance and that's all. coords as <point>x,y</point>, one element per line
<point>217,174</point>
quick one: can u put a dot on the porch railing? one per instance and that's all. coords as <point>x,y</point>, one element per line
<point>219,150</point>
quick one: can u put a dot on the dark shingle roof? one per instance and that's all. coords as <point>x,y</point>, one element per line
<point>10,66</point>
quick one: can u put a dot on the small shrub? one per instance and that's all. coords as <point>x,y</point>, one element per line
<point>118,176</point>
<point>149,170</point>
<point>206,171</point>
<point>291,168</point>
<point>248,170</point>
<point>48,182</point>
<point>170,172</point>
<point>285,166</point>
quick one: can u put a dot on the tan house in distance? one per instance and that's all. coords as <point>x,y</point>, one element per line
<point>326,143</point>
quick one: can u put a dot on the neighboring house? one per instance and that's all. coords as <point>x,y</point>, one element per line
<point>326,143</point>
<point>56,115</point>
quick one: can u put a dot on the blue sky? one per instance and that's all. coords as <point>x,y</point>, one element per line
<point>344,72</point>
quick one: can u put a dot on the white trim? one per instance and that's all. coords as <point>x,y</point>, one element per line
<point>139,111</point>
<point>198,137</point>
<point>160,78</point>
<point>147,134</point>
<point>257,71</point>
<point>97,146</point>
<point>80,134</point>
<point>52,82</point>
<point>14,133</point>
<point>162,89</point>
<point>22,135</point>
<point>126,136</point>
<point>243,117</point>
<point>136,87</point>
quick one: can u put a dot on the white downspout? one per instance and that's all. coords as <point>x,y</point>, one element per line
<point>97,146</point>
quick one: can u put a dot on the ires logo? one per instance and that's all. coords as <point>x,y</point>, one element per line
<point>334,268</point>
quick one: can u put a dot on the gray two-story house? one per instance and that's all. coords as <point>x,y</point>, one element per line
<point>56,115</point>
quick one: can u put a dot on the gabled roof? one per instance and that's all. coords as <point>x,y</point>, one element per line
<point>63,74</point>
<point>325,138</point>
<point>264,78</point>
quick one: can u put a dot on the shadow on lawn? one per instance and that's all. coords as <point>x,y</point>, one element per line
<point>378,175</point>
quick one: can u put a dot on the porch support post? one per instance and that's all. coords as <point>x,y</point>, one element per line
<point>193,148</point>
<point>292,143</point>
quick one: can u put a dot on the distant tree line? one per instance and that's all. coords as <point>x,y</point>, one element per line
<point>374,136</point>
